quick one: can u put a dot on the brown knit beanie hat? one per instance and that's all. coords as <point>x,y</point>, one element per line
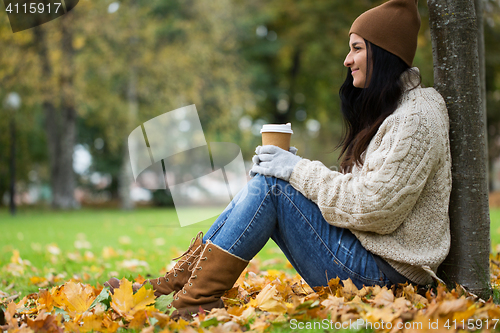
<point>392,26</point>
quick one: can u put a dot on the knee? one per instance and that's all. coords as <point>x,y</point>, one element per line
<point>268,180</point>
<point>282,186</point>
<point>259,184</point>
<point>277,185</point>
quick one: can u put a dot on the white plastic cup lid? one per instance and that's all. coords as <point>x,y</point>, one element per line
<point>277,128</point>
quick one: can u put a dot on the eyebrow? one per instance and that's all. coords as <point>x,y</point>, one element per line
<point>356,43</point>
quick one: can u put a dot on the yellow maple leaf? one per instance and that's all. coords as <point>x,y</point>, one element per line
<point>91,322</point>
<point>383,298</point>
<point>162,319</point>
<point>126,303</point>
<point>58,296</point>
<point>70,326</point>
<point>246,315</point>
<point>178,325</point>
<point>45,301</point>
<point>140,279</point>
<point>111,326</point>
<point>452,306</point>
<point>333,302</point>
<point>274,273</point>
<point>334,282</point>
<point>45,322</point>
<point>236,310</point>
<point>350,290</point>
<point>413,296</point>
<point>39,281</point>
<point>402,304</point>
<point>22,303</point>
<point>493,310</point>
<point>9,315</point>
<point>464,315</point>
<point>138,320</point>
<point>386,314</point>
<point>78,297</point>
<point>269,300</point>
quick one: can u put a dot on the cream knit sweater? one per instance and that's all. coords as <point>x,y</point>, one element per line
<point>396,204</point>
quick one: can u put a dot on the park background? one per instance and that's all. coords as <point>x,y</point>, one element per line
<point>86,80</point>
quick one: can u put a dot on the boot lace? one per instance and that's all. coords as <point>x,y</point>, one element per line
<point>190,259</point>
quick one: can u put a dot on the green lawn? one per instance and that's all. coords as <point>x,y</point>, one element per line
<point>93,245</point>
<point>495,228</point>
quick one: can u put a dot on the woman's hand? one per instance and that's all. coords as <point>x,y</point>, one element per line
<point>274,161</point>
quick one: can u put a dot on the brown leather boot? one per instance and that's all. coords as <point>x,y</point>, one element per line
<point>175,279</point>
<point>216,272</point>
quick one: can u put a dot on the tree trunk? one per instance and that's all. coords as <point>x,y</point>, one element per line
<point>3,187</point>
<point>60,123</point>
<point>12,187</point>
<point>479,8</point>
<point>126,176</point>
<point>457,77</point>
<point>125,181</point>
<point>66,180</point>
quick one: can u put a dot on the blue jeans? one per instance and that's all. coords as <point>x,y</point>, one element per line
<point>271,208</point>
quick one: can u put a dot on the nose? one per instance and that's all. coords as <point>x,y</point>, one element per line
<point>348,60</point>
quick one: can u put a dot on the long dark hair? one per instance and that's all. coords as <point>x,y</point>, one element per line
<point>364,109</point>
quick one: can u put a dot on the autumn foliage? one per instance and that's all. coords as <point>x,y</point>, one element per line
<point>259,300</point>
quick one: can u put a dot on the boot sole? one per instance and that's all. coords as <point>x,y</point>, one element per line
<point>188,311</point>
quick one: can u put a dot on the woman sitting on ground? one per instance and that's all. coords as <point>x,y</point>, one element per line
<point>382,220</point>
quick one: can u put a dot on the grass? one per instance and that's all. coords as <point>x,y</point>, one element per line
<point>97,244</point>
<point>495,227</point>
<point>93,245</point>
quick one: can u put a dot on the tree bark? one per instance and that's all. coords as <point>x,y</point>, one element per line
<point>457,77</point>
<point>478,5</point>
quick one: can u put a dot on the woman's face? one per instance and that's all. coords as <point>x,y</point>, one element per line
<point>356,60</point>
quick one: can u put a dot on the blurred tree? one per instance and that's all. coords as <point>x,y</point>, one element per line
<point>242,63</point>
<point>126,176</point>
<point>16,73</point>
<point>56,64</point>
<point>152,59</point>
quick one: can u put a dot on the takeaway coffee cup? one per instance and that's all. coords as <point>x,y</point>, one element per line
<point>277,135</point>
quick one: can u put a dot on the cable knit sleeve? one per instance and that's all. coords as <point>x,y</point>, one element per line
<point>378,197</point>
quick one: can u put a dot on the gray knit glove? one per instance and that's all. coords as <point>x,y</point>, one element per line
<point>274,161</point>
<point>256,160</point>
